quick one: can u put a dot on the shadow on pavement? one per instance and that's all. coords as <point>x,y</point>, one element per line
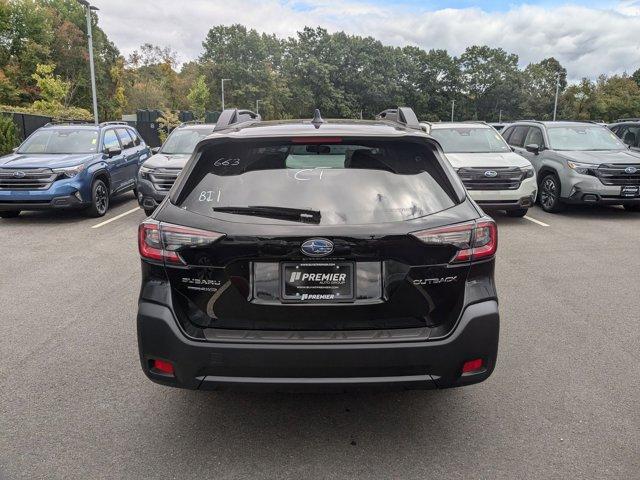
<point>45,217</point>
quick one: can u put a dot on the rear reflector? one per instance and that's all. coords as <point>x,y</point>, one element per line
<point>472,366</point>
<point>474,240</point>
<point>162,241</point>
<point>162,366</point>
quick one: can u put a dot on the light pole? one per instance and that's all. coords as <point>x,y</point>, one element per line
<point>453,108</point>
<point>555,104</point>
<point>88,8</point>
<point>223,80</point>
<point>258,102</point>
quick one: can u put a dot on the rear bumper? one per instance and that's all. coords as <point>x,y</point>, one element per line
<point>325,366</point>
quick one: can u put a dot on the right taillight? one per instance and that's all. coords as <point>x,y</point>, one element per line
<point>162,241</point>
<point>474,240</point>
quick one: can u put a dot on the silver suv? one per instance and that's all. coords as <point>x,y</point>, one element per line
<point>578,162</point>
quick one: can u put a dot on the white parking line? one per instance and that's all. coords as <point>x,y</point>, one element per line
<point>538,222</point>
<point>115,218</point>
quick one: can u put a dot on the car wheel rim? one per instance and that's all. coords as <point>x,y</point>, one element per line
<point>102,199</point>
<point>548,192</point>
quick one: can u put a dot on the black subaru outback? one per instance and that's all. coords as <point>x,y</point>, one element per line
<point>318,254</point>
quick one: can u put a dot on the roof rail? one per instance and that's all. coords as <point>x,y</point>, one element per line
<point>104,124</point>
<point>68,122</point>
<point>234,117</point>
<point>191,122</point>
<point>528,120</point>
<point>627,120</point>
<point>402,115</point>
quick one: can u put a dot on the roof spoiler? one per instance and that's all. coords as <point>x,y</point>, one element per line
<point>402,115</point>
<point>233,117</point>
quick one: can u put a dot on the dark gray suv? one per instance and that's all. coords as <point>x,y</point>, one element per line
<point>628,130</point>
<point>578,162</point>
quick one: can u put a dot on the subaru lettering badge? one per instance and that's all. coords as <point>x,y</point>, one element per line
<point>317,247</point>
<point>631,170</point>
<point>19,174</point>
<point>490,174</point>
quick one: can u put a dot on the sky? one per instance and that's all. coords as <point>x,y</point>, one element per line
<point>588,37</point>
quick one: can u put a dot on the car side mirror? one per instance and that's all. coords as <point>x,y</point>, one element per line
<point>15,149</point>
<point>533,148</point>
<point>113,152</point>
<point>155,150</point>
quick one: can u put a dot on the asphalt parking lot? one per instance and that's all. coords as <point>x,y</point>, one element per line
<point>562,403</point>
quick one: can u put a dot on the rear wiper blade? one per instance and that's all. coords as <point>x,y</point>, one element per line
<point>282,213</point>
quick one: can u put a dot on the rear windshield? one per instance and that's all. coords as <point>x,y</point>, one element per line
<point>63,140</point>
<point>470,140</point>
<point>353,182</point>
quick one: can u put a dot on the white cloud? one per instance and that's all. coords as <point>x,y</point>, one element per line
<point>587,41</point>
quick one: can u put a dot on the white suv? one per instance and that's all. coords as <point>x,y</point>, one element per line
<point>495,176</point>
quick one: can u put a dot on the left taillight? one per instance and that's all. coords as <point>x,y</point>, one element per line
<point>474,240</point>
<point>161,241</point>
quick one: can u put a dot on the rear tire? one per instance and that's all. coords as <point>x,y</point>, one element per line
<point>99,199</point>
<point>632,208</point>
<point>10,214</point>
<point>519,213</point>
<point>549,194</point>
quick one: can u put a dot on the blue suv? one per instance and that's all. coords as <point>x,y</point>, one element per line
<point>63,166</point>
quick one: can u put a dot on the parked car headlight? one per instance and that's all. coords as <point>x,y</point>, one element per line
<point>582,168</point>
<point>145,171</point>
<point>528,172</point>
<point>70,172</point>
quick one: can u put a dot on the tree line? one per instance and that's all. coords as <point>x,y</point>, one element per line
<point>43,67</point>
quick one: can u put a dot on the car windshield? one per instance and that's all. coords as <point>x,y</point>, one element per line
<point>583,137</point>
<point>469,140</point>
<point>61,140</point>
<point>183,141</point>
<point>362,182</point>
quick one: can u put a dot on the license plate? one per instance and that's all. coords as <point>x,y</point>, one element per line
<point>310,282</point>
<point>630,191</point>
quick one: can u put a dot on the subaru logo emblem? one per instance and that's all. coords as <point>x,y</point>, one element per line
<point>631,170</point>
<point>19,174</point>
<point>317,247</point>
<point>490,174</point>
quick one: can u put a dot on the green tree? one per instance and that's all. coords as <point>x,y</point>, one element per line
<point>8,135</point>
<point>53,89</point>
<point>636,76</point>
<point>579,101</point>
<point>167,122</point>
<point>617,97</point>
<point>491,82</point>
<point>539,88</point>
<point>199,96</point>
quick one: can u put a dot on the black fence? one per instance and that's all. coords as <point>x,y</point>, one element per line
<point>146,123</point>
<point>27,123</point>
